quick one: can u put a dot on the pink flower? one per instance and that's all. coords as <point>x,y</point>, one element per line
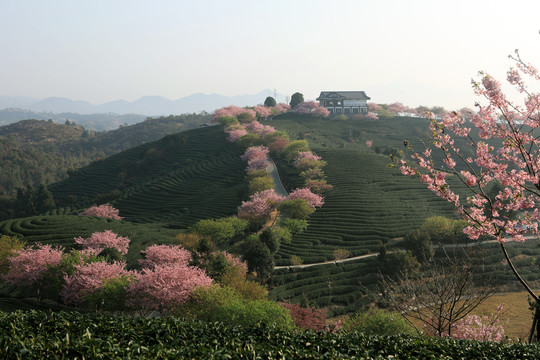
<point>89,278</point>
<point>162,255</point>
<point>234,135</point>
<point>307,160</point>
<point>102,240</point>
<point>312,199</point>
<point>311,108</point>
<point>165,287</point>
<point>104,211</point>
<point>27,266</point>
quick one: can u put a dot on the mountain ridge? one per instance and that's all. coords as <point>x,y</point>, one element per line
<point>150,105</point>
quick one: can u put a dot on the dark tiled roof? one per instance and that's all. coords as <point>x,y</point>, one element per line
<point>357,95</point>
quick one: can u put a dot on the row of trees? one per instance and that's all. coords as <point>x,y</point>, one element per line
<point>264,204</point>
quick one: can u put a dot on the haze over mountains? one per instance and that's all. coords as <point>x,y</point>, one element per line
<point>147,105</point>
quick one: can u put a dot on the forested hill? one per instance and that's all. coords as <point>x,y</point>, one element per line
<point>39,151</point>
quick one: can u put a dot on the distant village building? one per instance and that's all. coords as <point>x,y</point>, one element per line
<point>344,102</point>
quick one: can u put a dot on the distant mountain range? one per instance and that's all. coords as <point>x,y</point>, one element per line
<point>147,105</point>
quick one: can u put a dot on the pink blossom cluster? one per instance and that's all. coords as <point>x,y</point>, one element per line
<point>277,144</point>
<point>372,116</point>
<point>164,287</point>
<point>317,185</point>
<point>102,240</point>
<point>232,111</point>
<point>398,108</point>
<point>89,278</point>
<point>257,128</point>
<point>306,194</point>
<point>256,157</point>
<point>104,211</point>
<point>306,160</point>
<point>236,134</point>
<point>28,265</point>
<point>262,111</point>
<point>481,328</point>
<point>374,108</point>
<point>161,255</point>
<point>311,108</point>
<point>282,108</point>
<point>310,166</point>
<point>511,159</point>
<point>166,280</point>
<point>259,206</point>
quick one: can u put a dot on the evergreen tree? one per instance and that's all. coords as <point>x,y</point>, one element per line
<point>296,99</point>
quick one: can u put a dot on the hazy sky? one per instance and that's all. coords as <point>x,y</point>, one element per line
<point>415,52</point>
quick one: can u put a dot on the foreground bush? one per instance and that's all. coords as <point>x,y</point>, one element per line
<point>225,304</point>
<point>378,322</point>
<point>39,335</point>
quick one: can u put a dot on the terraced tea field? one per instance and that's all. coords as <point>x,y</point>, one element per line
<point>177,180</point>
<point>369,205</point>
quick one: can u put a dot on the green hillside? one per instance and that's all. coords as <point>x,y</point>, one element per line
<point>175,181</point>
<point>38,151</point>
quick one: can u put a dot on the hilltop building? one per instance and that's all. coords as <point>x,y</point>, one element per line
<point>344,102</point>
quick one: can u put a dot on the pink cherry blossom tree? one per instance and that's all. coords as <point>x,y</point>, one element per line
<point>161,255</point>
<point>480,328</point>
<point>260,206</point>
<point>104,211</point>
<point>27,266</point>
<point>257,128</point>
<point>306,194</point>
<point>372,116</point>
<point>103,240</point>
<point>232,111</point>
<point>306,160</point>
<point>89,278</point>
<point>164,287</point>
<point>255,152</point>
<point>311,108</point>
<point>282,108</point>
<point>397,108</point>
<point>511,159</point>
<point>277,144</point>
<point>236,134</point>
<point>373,107</point>
<point>263,112</point>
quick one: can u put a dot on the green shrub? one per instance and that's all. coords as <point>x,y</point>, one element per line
<point>378,322</point>
<point>251,313</point>
<point>259,184</point>
<point>227,120</point>
<point>8,246</point>
<point>296,209</point>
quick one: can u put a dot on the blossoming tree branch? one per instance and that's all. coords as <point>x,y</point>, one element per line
<point>505,143</point>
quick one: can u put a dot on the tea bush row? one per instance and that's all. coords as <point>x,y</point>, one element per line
<point>39,335</point>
